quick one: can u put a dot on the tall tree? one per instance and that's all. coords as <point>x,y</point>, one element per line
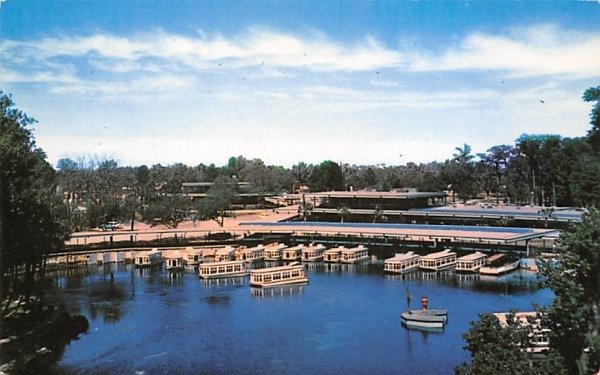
<point>592,94</point>
<point>218,200</point>
<point>461,173</point>
<point>327,176</point>
<point>32,220</point>
<point>574,316</point>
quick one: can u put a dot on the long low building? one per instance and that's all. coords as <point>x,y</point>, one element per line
<point>407,232</point>
<point>525,217</point>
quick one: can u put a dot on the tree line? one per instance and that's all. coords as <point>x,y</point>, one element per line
<point>538,169</point>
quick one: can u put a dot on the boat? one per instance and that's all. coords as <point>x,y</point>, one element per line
<point>174,261</point>
<point>355,254</point>
<point>292,273</point>
<point>293,253</point>
<point>499,264</point>
<point>402,263</point>
<point>225,254</point>
<point>222,269</point>
<point>425,318</point>
<point>274,251</point>
<point>193,257</point>
<point>332,255</point>
<point>471,262</point>
<point>434,319</point>
<point>251,254</point>
<point>313,253</point>
<point>438,261</point>
<point>148,258</point>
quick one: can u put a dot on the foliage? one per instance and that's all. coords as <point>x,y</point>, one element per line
<point>326,176</point>
<point>460,172</point>
<point>499,350</point>
<point>218,200</point>
<point>592,94</point>
<point>169,210</point>
<point>574,316</point>
<point>32,221</point>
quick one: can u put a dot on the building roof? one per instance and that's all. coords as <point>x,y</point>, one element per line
<point>376,195</point>
<point>418,232</point>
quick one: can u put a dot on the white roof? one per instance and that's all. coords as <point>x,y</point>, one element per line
<point>439,254</point>
<point>400,257</point>
<point>473,256</point>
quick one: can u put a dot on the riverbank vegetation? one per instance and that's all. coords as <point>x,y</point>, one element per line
<point>33,222</point>
<point>573,318</point>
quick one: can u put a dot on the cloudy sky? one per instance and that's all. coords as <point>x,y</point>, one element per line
<point>357,82</point>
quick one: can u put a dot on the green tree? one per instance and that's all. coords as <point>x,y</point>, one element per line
<point>499,350</point>
<point>574,316</point>
<point>169,210</point>
<point>32,221</point>
<point>592,94</point>
<point>461,174</point>
<point>326,176</point>
<point>218,200</point>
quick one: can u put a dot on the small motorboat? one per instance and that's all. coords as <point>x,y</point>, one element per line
<point>425,319</point>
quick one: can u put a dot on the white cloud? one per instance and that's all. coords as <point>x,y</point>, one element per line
<point>252,48</point>
<point>535,51</point>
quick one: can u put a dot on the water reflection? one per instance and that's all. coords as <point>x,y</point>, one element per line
<point>217,300</point>
<point>520,281</point>
<point>224,281</point>
<point>278,291</point>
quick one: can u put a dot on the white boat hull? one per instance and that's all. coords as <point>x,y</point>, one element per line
<point>301,280</point>
<point>440,268</point>
<point>496,271</point>
<point>224,275</point>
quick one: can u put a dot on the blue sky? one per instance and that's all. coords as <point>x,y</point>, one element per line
<point>356,82</point>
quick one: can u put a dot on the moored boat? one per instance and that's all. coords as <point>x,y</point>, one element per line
<point>193,257</point>
<point>292,273</point>
<point>148,258</point>
<point>354,254</point>
<point>313,253</point>
<point>499,264</point>
<point>402,263</point>
<point>332,255</point>
<point>274,251</point>
<point>225,254</point>
<point>251,254</point>
<point>293,253</point>
<point>438,261</point>
<point>174,261</point>
<point>471,262</point>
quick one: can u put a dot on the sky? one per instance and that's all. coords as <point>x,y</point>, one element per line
<point>357,82</point>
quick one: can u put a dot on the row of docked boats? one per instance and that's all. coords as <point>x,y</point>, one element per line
<point>232,261</point>
<point>497,264</point>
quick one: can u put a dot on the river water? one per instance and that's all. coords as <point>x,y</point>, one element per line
<point>346,320</point>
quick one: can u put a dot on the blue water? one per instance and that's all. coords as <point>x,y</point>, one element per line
<point>346,320</point>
